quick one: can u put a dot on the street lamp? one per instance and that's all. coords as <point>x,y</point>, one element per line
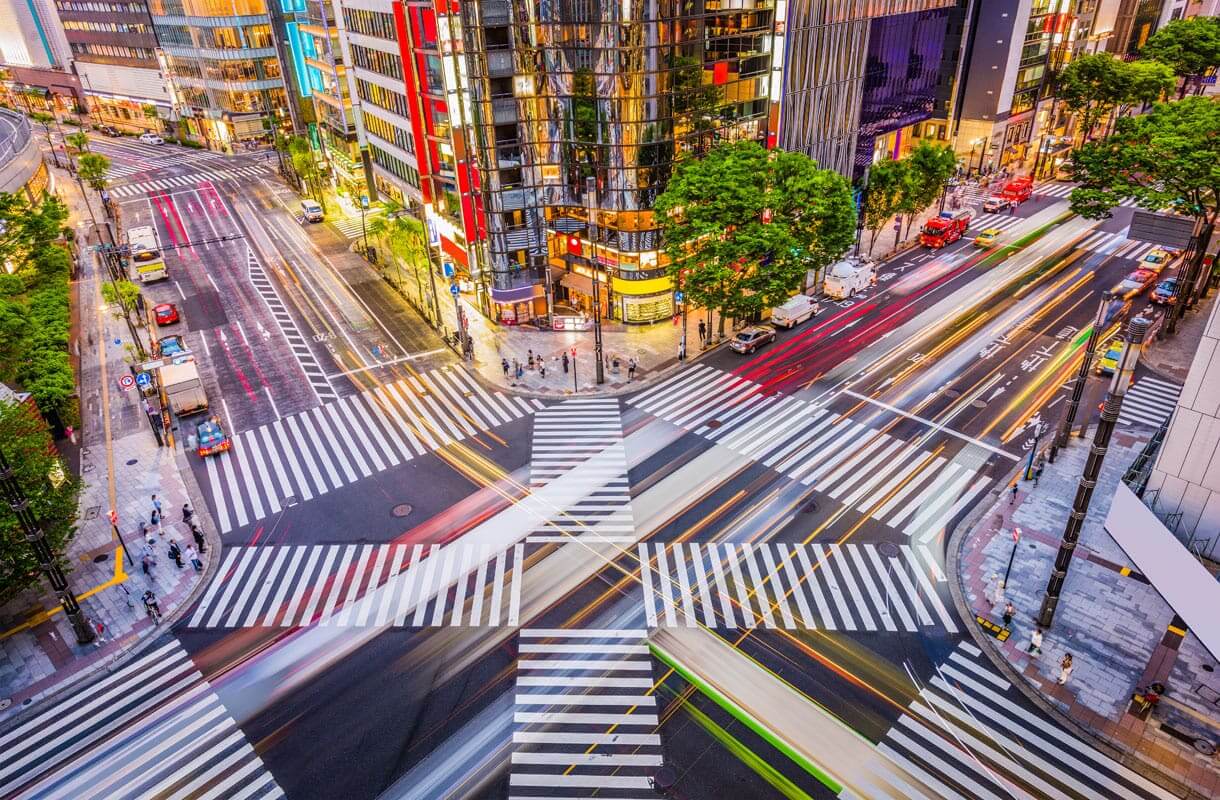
<point>364,231</point>
<point>591,205</point>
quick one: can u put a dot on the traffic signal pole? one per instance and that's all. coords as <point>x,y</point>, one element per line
<point>1065,429</point>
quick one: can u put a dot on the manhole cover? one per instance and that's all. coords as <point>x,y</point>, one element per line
<point>1208,668</point>
<point>132,462</point>
<point>664,780</point>
<point>402,509</point>
<point>100,557</point>
<point>952,393</point>
<point>714,423</point>
<point>888,549</point>
<point>1205,747</point>
<point>979,404</point>
<point>92,511</point>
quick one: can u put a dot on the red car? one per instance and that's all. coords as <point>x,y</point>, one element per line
<point>165,313</point>
<point>1135,284</point>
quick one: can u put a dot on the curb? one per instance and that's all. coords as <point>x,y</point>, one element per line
<point>957,539</point>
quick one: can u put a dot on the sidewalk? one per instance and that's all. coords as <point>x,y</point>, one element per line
<point>38,651</point>
<point>1109,618</point>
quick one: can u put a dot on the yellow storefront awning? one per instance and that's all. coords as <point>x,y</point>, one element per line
<point>644,287</point>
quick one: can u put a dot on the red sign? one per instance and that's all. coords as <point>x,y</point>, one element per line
<point>574,245</point>
<point>126,382</point>
<point>114,517</point>
<point>1016,535</point>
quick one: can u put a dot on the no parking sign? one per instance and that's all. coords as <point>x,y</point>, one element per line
<point>126,382</point>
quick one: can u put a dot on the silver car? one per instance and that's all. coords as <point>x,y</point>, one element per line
<point>750,339</point>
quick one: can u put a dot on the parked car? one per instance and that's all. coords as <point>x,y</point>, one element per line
<point>165,314</point>
<point>151,138</point>
<point>1163,293</point>
<point>109,130</point>
<point>210,438</point>
<point>172,346</point>
<point>311,211</point>
<point>987,237</point>
<point>750,339</point>
<point>1134,284</point>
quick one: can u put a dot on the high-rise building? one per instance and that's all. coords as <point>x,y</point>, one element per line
<point>224,69</point>
<point>114,49</point>
<point>34,52</point>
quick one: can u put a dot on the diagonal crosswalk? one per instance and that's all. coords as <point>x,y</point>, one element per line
<point>970,735</point>
<point>1149,401</point>
<point>299,457</point>
<point>584,716</point>
<point>189,181</point>
<point>359,585</point>
<point>585,436</point>
<point>182,741</point>
<point>893,480</point>
<point>833,586</point>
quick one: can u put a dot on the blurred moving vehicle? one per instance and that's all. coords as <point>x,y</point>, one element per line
<point>1107,362</point>
<point>750,339</point>
<point>311,211</point>
<point>987,237</point>
<point>1163,293</point>
<point>1134,284</point>
<point>151,138</point>
<point>210,438</point>
<point>945,229</point>
<point>1158,258</point>
<point>996,203</point>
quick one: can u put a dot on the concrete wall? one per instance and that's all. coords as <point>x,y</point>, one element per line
<point>1186,477</point>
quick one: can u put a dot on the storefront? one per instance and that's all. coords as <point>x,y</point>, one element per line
<point>644,301</point>
<point>518,306</point>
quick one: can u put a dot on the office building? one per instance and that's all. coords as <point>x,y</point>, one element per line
<point>35,54</point>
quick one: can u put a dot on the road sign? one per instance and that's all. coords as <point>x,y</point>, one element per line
<point>1016,535</point>
<point>144,380</point>
<point>454,290</point>
<point>126,382</point>
<point>447,268</point>
<point>678,296</point>
<point>114,517</point>
<point>364,201</point>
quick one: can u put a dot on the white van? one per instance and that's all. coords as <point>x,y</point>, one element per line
<point>311,211</point>
<point>794,311</point>
<point>846,278</point>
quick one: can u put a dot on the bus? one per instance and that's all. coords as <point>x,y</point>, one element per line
<point>146,261</point>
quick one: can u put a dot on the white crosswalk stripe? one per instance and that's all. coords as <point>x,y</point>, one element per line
<point>190,181</point>
<point>791,585</point>
<point>182,742</point>
<point>584,716</point>
<point>1133,249</point>
<point>353,227</point>
<point>1102,241</point>
<point>1054,189</point>
<point>337,443</point>
<point>360,585</point>
<point>901,485</point>
<point>969,735</point>
<point>1149,401</point>
<point>585,436</point>
<point>997,221</point>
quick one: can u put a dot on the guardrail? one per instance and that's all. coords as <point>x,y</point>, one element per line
<point>18,129</point>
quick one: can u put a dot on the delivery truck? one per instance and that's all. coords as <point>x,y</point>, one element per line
<point>845,278</point>
<point>945,229</point>
<point>183,388</point>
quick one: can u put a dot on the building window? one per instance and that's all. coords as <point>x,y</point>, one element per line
<point>370,23</point>
<point>394,166</point>
<point>377,61</point>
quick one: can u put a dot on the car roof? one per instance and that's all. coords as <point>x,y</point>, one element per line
<point>1141,274</point>
<point>752,330</point>
<point>160,306</point>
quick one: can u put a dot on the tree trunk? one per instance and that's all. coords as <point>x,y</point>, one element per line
<point>1182,91</point>
<point>872,241</point>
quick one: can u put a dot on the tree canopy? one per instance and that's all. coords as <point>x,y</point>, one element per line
<point>1167,158</point>
<point>1094,85</point>
<point>742,225</point>
<point>92,168</point>
<point>885,195</point>
<point>50,489</point>
<point>1191,47</point>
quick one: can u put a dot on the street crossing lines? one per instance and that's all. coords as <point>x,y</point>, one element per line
<point>353,227</point>
<point>183,742</point>
<point>1149,401</point>
<point>790,585</point>
<point>584,716</point>
<point>969,736</point>
<point>850,462</point>
<point>1115,244</point>
<point>584,435</point>
<point>363,585</point>
<point>1134,249</point>
<point>1054,189</point>
<point>998,221</point>
<point>338,443</point>
<point>190,181</point>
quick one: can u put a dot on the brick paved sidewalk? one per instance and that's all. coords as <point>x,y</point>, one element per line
<point>38,651</point>
<point>1109,618</point>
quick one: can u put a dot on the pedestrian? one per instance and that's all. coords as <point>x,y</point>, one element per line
<point>504,366</point>
<point>1013,499</point>
<point>156,506</point>
<point>1065,669</point>
<point>100,629</point>
<point>152,606</point>
<point>565,363</point>
<point>520,369</point>
<point>175,554</point>
<point>1009,612</point>
<point>530,361</point>
<point>198,534</point>
<point>193,557</point>
<point>155,519</point>
<point>702,332</point>
<point>1037,473</point>
<point>681,351</point>
<point>993,592</point>
<point>143,530</point>
<point>146,563</point>
<point>631,364</point>
<point>541,368</point>
<point>187,513</point>
<point>1035,642</point>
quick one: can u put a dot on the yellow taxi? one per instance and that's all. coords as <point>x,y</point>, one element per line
<point>1107,362</point>
<point>987,237</point>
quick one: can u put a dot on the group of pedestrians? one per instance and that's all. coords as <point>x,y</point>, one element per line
<point>536,362</point>
<point>174,551</point>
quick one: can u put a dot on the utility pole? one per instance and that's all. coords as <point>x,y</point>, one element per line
<point>1184,295</point>
<point>1136,330</point>
<point>46,559</point>
<point>591,204</point>
<point>1065,429</point>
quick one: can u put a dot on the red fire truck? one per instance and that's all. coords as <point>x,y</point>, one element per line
<point>945,229</point>
<point>1018,189</point>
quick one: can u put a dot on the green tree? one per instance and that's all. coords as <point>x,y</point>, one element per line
<point>1091,86</point>
<point>305,163</point>
<point>1167,158</point>
<point>884,196</point>
<point>929,168</point>
<point>1147,82</point>
<point>26,227</point>
<point>92,169</point>
<point>742,225</point>
<point>79,141</point>
<point>123,294</point>
<point>50,489</point>
<point>406,239</point>
<point>1191,47</point>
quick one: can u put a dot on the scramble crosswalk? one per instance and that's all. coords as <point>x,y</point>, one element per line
<point>305,455</point>
<point>584,716</point>
<point>1149,401</point>
<point>364,585</point>
<point>971,736</point>
<point>583,438</point>
<point>1115,244</point>
<point>190,181</point>
<point>183,743</point>
<point>999,222</point>
<point>892,479</point>
<point>792,585</point>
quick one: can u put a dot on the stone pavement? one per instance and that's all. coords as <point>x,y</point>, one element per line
<point>1109,618</point>
<point>38,650</point>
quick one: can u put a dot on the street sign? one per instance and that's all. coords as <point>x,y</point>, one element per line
<point>126,382</point>
<point>144,380</point>
<point>678,296</point>
<point>364,201</point>
<point>1016,535</point>
<point>447,268</point>
<point>454,290</point>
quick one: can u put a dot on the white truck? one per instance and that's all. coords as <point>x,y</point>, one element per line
<point>845,278</point>
<point>183,388</point>
<point>794,311</point>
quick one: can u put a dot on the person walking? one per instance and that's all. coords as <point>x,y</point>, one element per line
<point>146,563</point>
<point>530,360</point>
<point>1038,473</point>
<point>1065,669</point>
<point>504,366</point>
<point>1009,612</point>
<point>702,333</point>
<point>193,557</point>
<point>100,629</point>
<point>631,364</point>
<point>541,368</point>
<point>565,363</point>
<point>156,506</point>
<point>187,513</point>
<point>198,534</point>
<point>1035,642</point>
<point>175,553</point>
<point>1013,498</point>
